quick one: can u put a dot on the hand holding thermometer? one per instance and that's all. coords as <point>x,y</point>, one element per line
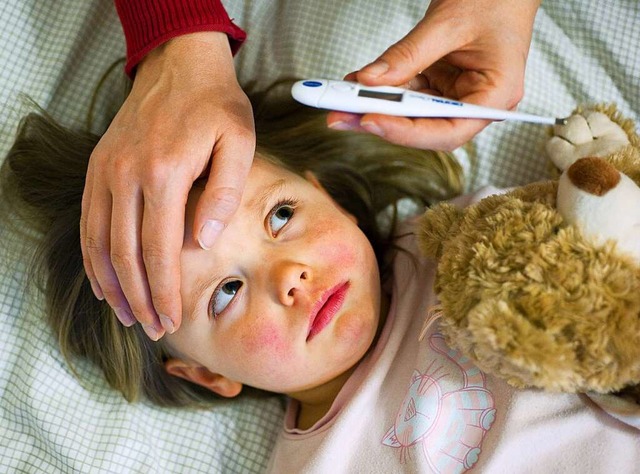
<point>356,98</point>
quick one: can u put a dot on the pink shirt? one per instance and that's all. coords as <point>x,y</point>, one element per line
<point>419,406</point>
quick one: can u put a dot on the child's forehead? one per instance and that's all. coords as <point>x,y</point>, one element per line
<point>265,177</point>
<point>265,167</point>
<point>261,164</point>
<point>266,162</point>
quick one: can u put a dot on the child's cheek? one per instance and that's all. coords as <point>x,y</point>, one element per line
<point>337,254</point>
<point>337,243</point>
<point>265,340</point>
<point>356,328</point>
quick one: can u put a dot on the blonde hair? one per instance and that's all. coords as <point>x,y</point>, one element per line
<point>43,179</point>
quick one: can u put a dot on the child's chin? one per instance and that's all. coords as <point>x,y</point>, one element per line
<point>356,330</point>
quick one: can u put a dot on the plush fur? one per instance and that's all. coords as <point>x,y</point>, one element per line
<point>531,298</point>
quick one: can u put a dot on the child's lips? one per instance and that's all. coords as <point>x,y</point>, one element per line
<point>326,308</point>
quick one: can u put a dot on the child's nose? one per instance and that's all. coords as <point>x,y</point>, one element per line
<point>292,280</point>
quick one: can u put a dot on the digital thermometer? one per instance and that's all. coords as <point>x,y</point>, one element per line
<point>352,97</point>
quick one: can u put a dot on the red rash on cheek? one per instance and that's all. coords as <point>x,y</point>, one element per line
<point>327,240</point>
<point>338,253</point>
<point>265,337</point>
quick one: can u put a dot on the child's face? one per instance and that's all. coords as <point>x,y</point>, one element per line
<point>286,300</point>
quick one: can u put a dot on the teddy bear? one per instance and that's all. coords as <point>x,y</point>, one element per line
<point>540,285</point>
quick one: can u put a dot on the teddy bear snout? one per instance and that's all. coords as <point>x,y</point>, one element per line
<point>593,175</point>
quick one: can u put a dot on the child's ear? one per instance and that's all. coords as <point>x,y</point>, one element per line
<point>309,176</point>
<point>204,377</point>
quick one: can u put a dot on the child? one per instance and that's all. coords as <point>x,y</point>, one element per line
<point>305,295</point>
<point>210,110</point>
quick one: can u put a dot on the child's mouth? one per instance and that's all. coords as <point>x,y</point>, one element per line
<point>326,308</point>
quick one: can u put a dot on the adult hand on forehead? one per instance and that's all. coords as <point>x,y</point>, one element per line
<point>473,51</point>
<point>186,116</point>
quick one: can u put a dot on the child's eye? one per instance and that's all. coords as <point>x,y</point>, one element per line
<point>280,216</point>
<point>223,295</point>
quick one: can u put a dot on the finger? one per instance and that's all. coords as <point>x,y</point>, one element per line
<point>496,89</point>
<point>352,76</point>
<point>162,237</point>
<point>424,133</point>
<point>419,82</point>
<point>232,158</point>
<point>422,46</point>
<point>343,121</point>
<point>443,78</point>
<point>97,244</point>
<point>86,260</point>
<point>127,260</point>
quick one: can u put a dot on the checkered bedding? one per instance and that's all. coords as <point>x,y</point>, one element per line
<point>55,52</point>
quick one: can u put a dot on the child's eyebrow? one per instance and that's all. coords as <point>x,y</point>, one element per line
<point>262,198</point>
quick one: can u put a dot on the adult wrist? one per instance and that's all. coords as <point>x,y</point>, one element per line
<point>191,60</point>
<point>147,24</point>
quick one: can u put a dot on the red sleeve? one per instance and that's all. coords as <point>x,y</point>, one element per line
<point>149,23</point>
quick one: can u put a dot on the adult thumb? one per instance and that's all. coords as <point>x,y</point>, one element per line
<point>223,192</point>
<point>407,58</point>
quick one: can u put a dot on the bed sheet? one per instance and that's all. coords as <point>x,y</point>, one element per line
<point>583,51</point>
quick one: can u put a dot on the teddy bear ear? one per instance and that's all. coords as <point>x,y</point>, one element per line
<point>436,226</point>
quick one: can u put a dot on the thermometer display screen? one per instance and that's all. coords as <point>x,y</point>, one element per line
<point>392,96</point>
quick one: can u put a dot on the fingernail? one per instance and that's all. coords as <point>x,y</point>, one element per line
<point>167,323</point>
<point>151,331</point>
<point>209,232</point>
<point>372,128</point>
<point>377,68</point>
<point>97,291</point>
<point>124,316</point>
<point>340,125</point>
